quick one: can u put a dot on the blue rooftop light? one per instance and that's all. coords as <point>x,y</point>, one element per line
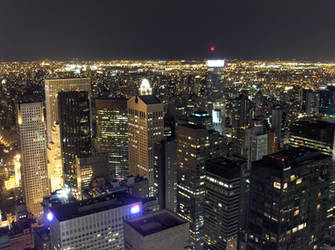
<point>50,216</point>
<point>135,209</point>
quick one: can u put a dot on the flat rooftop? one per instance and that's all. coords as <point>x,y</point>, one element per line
<point>156,222</point>
<point>150,99</point>
<point>227,168</point>
<point>293,158</point>
<point>86,207</point>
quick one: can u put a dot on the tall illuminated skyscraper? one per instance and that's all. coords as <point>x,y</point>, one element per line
<point>33,151</point>
<point>195,145</point>
<point>74,118</point>
<point>222,203</point>
<point>145,128</point>
<point>52,87</point>
<point>112,133</point>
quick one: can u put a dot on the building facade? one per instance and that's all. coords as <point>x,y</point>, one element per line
<point>112,133</point>
<point>222,203</point>
<point>33,150</point>
<point>145,128</point>
<point>75,131</point>
<point>289,199</point>
<point>92,224</point>
<point>52,87</point>
<point>195,145</point>
<point>165,173</point>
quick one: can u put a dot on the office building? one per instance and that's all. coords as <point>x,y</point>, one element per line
<point>92,224</point>
<point>21,234</point>
<point>289,199</point>
<point>33,151</point>
<point>52,87</point>
<point>162,230</point>
<point>145,128</point>
<point>54,160</point>
<point>222,203</point>
<point>218,115</point>
<point>89,167</point>
<point>165,173</point>
<point>241,111</point>
<point>195,145</point>
<point>256,143</point>
<point>42,238</point>
<point>312,102</point>
<point>279,124</point>
<point>215,84</point>
<point>314,134</point>
<point>74,122</point>
<point>112,133</point>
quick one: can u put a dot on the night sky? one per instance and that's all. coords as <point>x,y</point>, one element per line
<point>156,29</point>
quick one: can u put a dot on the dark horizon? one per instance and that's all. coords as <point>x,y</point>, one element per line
<point>107,30</point>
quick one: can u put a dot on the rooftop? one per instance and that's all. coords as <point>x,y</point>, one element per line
<point>156,222</point>
<point>292,158</point>
<point>227,168</point>
<point>91,206</point>
<point>150,99</point>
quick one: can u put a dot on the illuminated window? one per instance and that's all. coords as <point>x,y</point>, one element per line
<point>292,177</point>
<point>296,212</point>
<point>285,185</point>
<point>276,185</point>
<point>298,181</point>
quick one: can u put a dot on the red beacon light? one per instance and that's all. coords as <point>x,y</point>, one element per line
<point>212,48</point>
<point>282,159</point>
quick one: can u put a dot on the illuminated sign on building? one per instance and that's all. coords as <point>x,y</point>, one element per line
<point>215,63</point>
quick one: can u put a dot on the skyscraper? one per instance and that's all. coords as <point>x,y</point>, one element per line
<point>145,128</point>
<point>215,84</point>
<point>112,133</point>
<point>74,118</point>
<point>89,167</point>
<point>280,124</point>
<point>195,145</point>
<point>240,111</point>
<point>33,150</point>
<point>165,173</point>
<point>222,203</point>
<point>52,87</point>
<point>256,142</point>
<point>289,194</point>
